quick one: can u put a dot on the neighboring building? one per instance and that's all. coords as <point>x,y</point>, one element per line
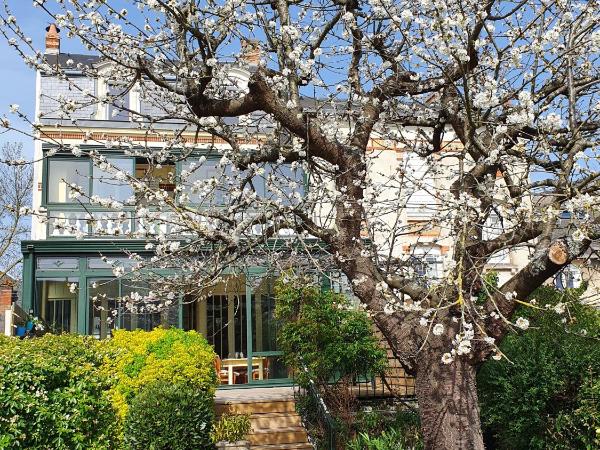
<point>62,275</point>
<point>7,297</point>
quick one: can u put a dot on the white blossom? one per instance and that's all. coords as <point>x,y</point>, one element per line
<point>522,323</point>
<point>447,358</point>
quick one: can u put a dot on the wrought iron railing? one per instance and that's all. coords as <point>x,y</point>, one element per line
<point>323,416</point>
<point>394,385</point>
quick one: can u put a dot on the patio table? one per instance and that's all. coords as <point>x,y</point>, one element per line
<point>230,363</point>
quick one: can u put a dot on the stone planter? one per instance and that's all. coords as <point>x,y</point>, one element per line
<point>239,445</point>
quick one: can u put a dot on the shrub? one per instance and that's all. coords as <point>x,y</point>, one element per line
<point>321,331</point>
<point>548,397</point>
<point>165,416</point>
<point>383,429</point>
<point>138,358</point>
<point>52,394</point>
<point>320,328</point>
<point>231,428</point>
<point>391,439</point>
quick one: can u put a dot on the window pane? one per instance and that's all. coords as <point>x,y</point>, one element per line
<point>156,177</point>
<point>140,314</point>
<point>279,182</point>
<point>56,305</point>
<point>104,307</point>
<point>61,173</point>
<point>111,263</point>
<point>287,182</point>
<point>120,100</point>
<point>51,263</point>
<point>106,184</point>
<point>203,182</point>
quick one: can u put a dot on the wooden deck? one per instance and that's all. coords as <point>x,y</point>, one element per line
<point>255,394</point>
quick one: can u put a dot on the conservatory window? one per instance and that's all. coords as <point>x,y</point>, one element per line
<point>156,176</point>
<point>203,193</point>
<point>56,303</point>
<point>57,263</point>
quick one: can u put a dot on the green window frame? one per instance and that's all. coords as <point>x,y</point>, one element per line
<point>66,159</point>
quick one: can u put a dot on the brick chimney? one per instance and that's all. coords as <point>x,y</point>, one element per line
<point>52,40</point>
<point>251,52</point>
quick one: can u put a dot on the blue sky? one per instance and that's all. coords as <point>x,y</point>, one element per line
<point>17,81</point>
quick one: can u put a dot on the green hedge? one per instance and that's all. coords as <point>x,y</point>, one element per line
<point>53,394</point>
<point>71,392</point>
<point>165,416</point>
<point>549,396</point>
<point>138,358</point>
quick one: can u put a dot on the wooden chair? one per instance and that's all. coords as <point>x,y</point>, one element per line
<point>256,372</point>
<point>223,374</point>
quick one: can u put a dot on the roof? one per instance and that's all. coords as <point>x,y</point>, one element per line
<point>72,60</point>
<point>6,280</point>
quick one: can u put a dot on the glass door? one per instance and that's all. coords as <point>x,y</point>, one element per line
<point>220,314</point>
<point>237,317</point>
<point>107,311</point>
<point>104,311</point>
<point>264,359</point>
<point>56,303</point>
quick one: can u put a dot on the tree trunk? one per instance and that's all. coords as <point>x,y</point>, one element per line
<point>447,395</point>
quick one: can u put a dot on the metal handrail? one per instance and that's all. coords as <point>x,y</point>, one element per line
<point>324,414</point>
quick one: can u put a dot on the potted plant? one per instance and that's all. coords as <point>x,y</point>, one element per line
<point>231,431</point>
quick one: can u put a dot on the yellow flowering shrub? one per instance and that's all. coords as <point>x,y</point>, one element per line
<point>134,359</point>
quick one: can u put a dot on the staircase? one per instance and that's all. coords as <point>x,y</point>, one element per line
<point>275,423</point>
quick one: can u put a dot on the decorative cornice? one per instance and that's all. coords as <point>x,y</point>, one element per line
<point>83,246</point>
<point>131,136</point>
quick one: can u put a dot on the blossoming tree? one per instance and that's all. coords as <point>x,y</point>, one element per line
<point>497,101</point>
<point>15,198</point>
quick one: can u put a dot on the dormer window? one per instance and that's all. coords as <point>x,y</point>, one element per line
<point>119,99</point>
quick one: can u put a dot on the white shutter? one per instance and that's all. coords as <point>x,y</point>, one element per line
<point>421,204</point>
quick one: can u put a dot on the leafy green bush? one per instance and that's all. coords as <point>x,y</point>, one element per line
<point>378,429</point>
<point>548,398</point>
<point>231,428</point>
<point>138,358</point>
<point>53,394</point>
<point>322,332</point>
<point>165,416</point>
<point>391,439</point>
<point>320,329</point>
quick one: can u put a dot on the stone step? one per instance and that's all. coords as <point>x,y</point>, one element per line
<point>301,446</point>
<point>282,435</point>
<point>256,407</point>
<point>275,420</point>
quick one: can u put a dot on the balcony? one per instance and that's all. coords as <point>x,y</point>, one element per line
<point>67,223</point>
<point>75,223</point>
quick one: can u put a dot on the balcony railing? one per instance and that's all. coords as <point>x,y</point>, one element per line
<point>77,223</point>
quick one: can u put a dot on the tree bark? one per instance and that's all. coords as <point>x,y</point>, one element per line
<point>447,396</point>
